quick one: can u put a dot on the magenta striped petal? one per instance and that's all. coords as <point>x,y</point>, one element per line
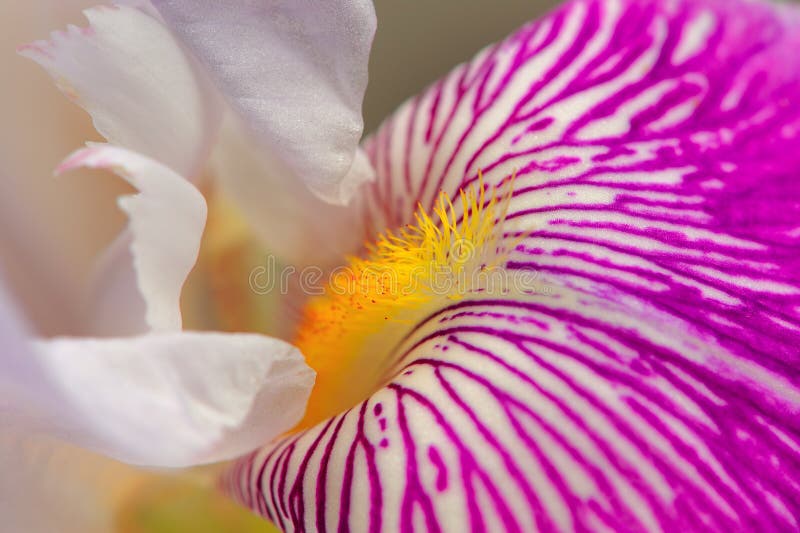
<point>654,386</point>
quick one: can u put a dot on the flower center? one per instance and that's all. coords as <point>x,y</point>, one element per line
<point>348,334</point>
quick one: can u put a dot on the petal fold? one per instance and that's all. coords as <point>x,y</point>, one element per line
<point>176,399</point>
<point>166,221</point>
<point>295,71</point>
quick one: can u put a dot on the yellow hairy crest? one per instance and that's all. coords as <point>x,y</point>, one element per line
<point>348,332</point>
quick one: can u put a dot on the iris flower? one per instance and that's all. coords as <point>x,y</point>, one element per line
<point>610,194</point>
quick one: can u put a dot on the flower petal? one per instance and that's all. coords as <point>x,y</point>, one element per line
<point>141,89</point>
<point>167,218</point>
<point>285,216</point>
<point>295,71</point>
<point>19,368</point>
<point>550,416</point>
<point>647,380</point>
<point>173,399</point>
<point>176,399</point>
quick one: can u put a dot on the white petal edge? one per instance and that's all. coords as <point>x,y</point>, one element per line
<point>176,399</point>
<point>296,71</point>
<point>140,87</point>
<point>166,225</point>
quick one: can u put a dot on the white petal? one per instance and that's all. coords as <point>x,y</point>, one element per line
<point>286,217</point>
<point>177,399</point>
<point>296,71</point>
<point>173,399</point>
<point>140,87</point>
<point>166,224</point>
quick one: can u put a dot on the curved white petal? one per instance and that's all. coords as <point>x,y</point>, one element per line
<point>283,213</point>
<point>296,71</point>
<point>176,399</point>
<point>173,399</point>
<point>141,89</point>
<point>167,218</point>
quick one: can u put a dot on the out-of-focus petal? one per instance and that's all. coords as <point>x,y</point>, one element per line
<point>48,229</point>
<point>114,304</point>
<point>167,218</point>
<point>175,399</point>
<point>51,486</point>
<point>648,381</point>
<point>141,89</point>
<point>185,503</point>
<point>296,71</point>
<point>17,399</point>
<point>283,213</point>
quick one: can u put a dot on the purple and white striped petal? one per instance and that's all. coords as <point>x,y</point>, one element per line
<point>651,383</point>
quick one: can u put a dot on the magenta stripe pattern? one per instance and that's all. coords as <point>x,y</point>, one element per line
<point>651,382</point>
